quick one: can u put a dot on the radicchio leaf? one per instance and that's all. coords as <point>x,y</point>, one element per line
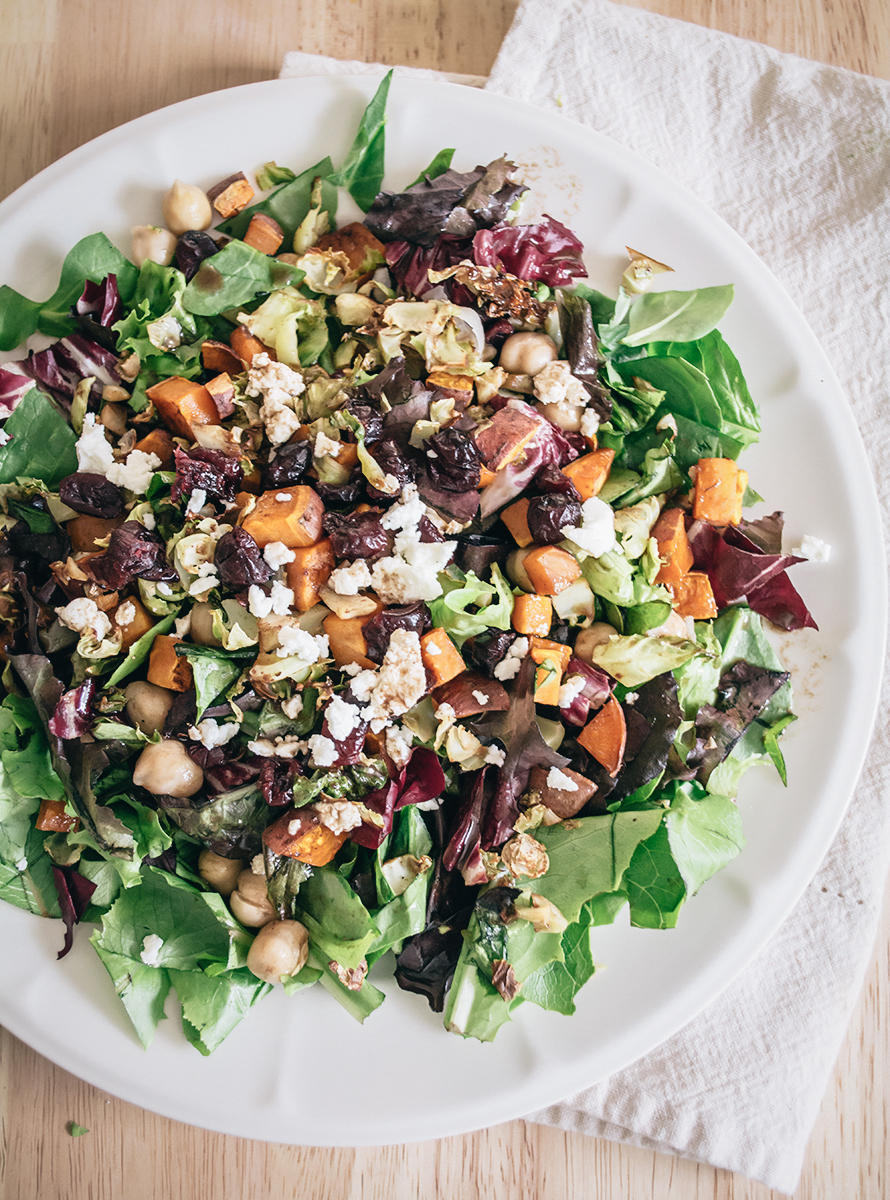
<point>73,714</point>
<point>74,892</point>
<point>420,780</point>
<point>62,366</point>
<point>100,302</point>
<point>14,384</point>
<point>546,251</point>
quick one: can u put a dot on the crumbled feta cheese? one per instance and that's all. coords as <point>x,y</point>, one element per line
<point>164,589</point>
<point>342,718</point>
<point>480,697</point>
<point>22,864</point>
<point>211,734</point>
<point>277,554</point>
<point>363,684</point>
<point>571,690</point>
<point>401,680</point>
<point>125,613</point>
<point>85,617</point>
<point>135,473</point>
<point>208,578</point>
<point>398,744</point>
<point>339,815</point>
<point>151,949</point>
<point>325,447</point>
<point>283,497</point>
<point>405,514</point>
<point>197,500</point>
<point>257,866</point>
<point>433,649</point>
<point>560,781</point>
<point>288,746</point>
<point>297,643</point>
<point>94,453</point>
<point>412,575</point>
<point>293,707</point>
<point>350,579</point>
<point>148,520</point>
<point>812,548</point>
<point>182,625</point>
<point>590,423</point>
<point>278,385</point>
<point>322,750</point>
<point>258,603</point>
<point>495,756</point>
<point>556,384</point>
<point>508,667</point>
<point>281,599</point>
<point>631,698</point>
<point>596,534</point>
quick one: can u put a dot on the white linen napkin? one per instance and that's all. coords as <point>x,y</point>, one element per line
<point>795,156</point>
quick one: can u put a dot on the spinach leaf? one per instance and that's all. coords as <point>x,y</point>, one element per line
<point>41,442</point>
<point>362,170</point>
<point>687,390</point>
<point>676,316</point>
<point>437,167</point>
<point>233,277</point>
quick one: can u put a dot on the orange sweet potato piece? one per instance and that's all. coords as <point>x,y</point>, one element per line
<point>291,515</point>
<point>166,668</point>
<point>440,657</point>
<point>589,472</point>
<point>310,842</point>
<point>86,531</point>
<point>310,569</point>
<point>183,405</point>
<point>160,443</point>
<point>532,614</point>
<point>450,383</point>
<point>52,817</point>
<point>505,438</point>
<point>719,488</point>
<point>141,622</point>
<point>246,347</point>
<point>548,655</point>
<point>605,736</point>
<point>355,240</point>
<point>516,519</point>
<point>222,390</point>
<point>486,476</point>
<point>347,641</point>
<point>218,356</point>
<point>694,596</point>
<point>673,546</point>
<point>469,693</point>
<point>264,234</point>
<point>551,570</point>
<point>231,195</point>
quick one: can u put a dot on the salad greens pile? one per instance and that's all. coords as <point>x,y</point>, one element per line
<point>372,592</point>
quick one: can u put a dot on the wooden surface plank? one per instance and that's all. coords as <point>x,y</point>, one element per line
<point>69,70</point>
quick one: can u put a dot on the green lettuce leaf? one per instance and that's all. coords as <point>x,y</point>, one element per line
<point>41,444</point>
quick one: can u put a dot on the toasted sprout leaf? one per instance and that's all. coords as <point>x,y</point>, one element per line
<point>640,273</point>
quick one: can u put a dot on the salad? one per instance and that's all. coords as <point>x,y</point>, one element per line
<point>374,592</point>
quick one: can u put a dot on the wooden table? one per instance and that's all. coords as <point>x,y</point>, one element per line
<point>72,69</point>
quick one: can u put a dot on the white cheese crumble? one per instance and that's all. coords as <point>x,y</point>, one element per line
<point>277,554</point>
<point>125,614</point>
<point>812,548</point>
<point>211,734</point>
<point>350,579</point>
<point>279,601</point>
<point>631,698</point>
<point>293,707</point>
<point>339,815</point>
<point>412,575</point>
<point>94,453</point>
<point>151,949</point>
<point>288,746</point>
<point>197,500</point>
<point>363,684</point>
<point>561,782</point>
<point>596,534</point>
<point>508,667</point>
<point>480,697</point>
<point>297,643</point>
<point>284,497</point>
<point>399,742</point>
<point>495,756</point>
<point>135,473</point>
<point>85,617</point>
<point>570,690</point>
<point>555,384</point>
<point>323,752</point>
<point>325,447</point>
<point>433,649</point>
<point>279,386</point>
<point>590,423</point>
<point>400,682</point>
<point>342,718</point>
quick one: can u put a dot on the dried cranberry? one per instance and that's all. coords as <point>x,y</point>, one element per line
<point>546,516</point>
<point>277,781</point>
<point>379,629</point>
<point>393,460</point>
<point>453,462</point>
<point>288,465</point>
<point>239,560</point>
<point>553,481</point>
<point>344,495</point>
<point>428,532</point>
<point>357,535</point>
<point>487,654</point>
<point>191,250</point>
<point>134,552</point>
<point>497,331</point>
<point>213,472</point>
<point>92,494</point>
<point>576,444</point>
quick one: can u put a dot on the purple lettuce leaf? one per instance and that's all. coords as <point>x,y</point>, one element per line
<point>73,715</point>
<point>101,302</point>
<point>547,251</point>
<point>62,366</point>
<point>742,693</point>
<point>14,384</point>
<point>420,780</point>
<point>74,892</point>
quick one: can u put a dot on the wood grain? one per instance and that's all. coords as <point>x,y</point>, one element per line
<point>69,70</point>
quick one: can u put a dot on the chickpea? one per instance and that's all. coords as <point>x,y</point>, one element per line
<point>593,636</point>
<point>152,244</point>
<point>165,769</point>
<point>527,353</point>
<point>250,902</point>
<point>186,207</point>
<point>280,948</point>
<point>201,628</point>
<point>148,705</point>
<point>566,417</point>
<point>220,873</point>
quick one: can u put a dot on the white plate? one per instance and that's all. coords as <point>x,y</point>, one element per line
<point>300,1070</point>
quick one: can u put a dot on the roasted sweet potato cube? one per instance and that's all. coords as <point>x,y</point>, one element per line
<point>86,532</point>
<point>505,438</point>
<point>470,693</point>
<point>589,472</point>
<point>347,641</point>
<point>694,596</point>
<point>299,834</point>
<point>52,817</point>
<point>516,519</point>
<point>166,668</point>
<point>139,621</point>
<point>605,737</point>
<point>356,241</point>
<point>219,356</point>
<point>310,569</point>
<point>485,476</point>
<point>440,657</point>
<point>674,551</point>
<point>264,234</point>
<point>290,515</point>
<point>246,347</point>
<point>565,801</point>
<point>231,195</point>
<point>719,489</point>
<point>552,659</point>
<point>222,390</point>
<point>551,570</point>
<point>160,443</point>
<point>183,405</point>
<point>532,614</point>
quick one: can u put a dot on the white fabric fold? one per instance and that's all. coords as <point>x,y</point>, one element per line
<point>796,157</point>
